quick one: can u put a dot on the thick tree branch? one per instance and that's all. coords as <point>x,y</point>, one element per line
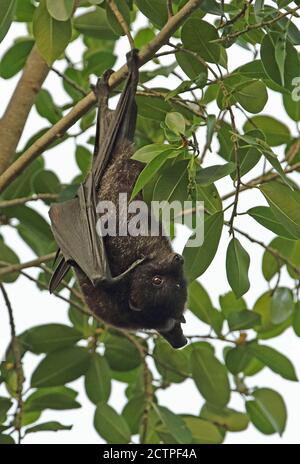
<point>18,109</point>
<point>145,55</point>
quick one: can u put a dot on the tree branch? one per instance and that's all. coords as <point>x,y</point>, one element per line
<point>121,21</point>
<point>34,263</point>
<point>262,180</point>
<point>23,200</point>
<point>16,114</point>
<point>145,55</point>
<point>17,364</point>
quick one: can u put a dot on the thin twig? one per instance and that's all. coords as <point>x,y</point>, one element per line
<point>238,172</point>
<point>121,21</point>
<point>276,254</point>
<point>17,366</point>
<point>57,295</point>
<point>70,81</point>
<point>33,263</point>
<point>269,176</point>
<point>237,17</point>
<point>251,27</point>
<point>23,200</point>
<point>170,8</point>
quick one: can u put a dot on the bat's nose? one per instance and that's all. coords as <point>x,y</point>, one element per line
<point>178,259</point>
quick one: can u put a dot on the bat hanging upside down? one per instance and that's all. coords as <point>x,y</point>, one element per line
<point>131,282</point>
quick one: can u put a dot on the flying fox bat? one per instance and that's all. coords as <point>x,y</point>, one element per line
<point>131,282</point>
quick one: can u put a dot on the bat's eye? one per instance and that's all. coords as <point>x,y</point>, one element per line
<point>157,281</point>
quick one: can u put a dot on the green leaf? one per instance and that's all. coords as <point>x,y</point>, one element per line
<point>8,256</point>
<point>265,216</point>
<point>121,354</point>
<point>97,62</point>
<point>267,329</point>
<point>7,11</point>
<point>15,58</point>
<point>233,421</point>
<point>143,37</point>
<point>155,10</point>
<point>200,304</point>
<point>210,377</point>
<point>83,159</point>
<point>171,364</point>
<point>237,267</point>
<point>58,398</point>
<point>230,303</point>
<point>46,182</point>
<point>149,172</point>
<point>197,260</point>
<point>243,320</point>
<point>296,319</point>
<point>276,361</point>
<point>153,107</point>
<point>280,56</point>
<point>174,425</point>
<point>5,405</point>
<point>211,174</point>
<point>24,11</point>
<point>267,411</point>
<point>60,9</point>
<point>6,439</point>
<point>197,35</point>
<point>176,123</point>
<point>98,380</point>
<point>282,305</point>
<point>52,36</point>
<point>49,337</point>
<point>110,425</point>
<point>61,367</point>
<point>288,68</point>
<point>173,183</point>
<point>133,413</point>
<point>211,197</point>
<point>252,96</point>
<point>203,432</point>
<point>48,427</point>
<point>46,107</point>
<point>34,230</point>
<point>285,205</point>
<point>271,265</point>
<point>192,67</point>
<point>94,24</point>
<point>147,153</point>
<point>275,131</point>
<point>112,20</point>
<point>237,359</point>
<point>292,107</point>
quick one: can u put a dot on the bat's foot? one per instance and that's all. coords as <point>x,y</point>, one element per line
<point>102,88</point>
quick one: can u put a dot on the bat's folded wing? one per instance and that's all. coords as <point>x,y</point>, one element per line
<point>74,229</point>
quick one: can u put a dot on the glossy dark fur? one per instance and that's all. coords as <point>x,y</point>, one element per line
<point>129,282</point>
<point>155,308</point>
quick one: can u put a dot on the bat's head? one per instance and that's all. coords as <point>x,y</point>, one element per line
<point>159,291</point>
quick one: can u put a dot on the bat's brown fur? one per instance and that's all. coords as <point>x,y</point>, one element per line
<point>160,308</point>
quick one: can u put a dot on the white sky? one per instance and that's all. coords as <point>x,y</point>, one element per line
<point>32,307</point>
